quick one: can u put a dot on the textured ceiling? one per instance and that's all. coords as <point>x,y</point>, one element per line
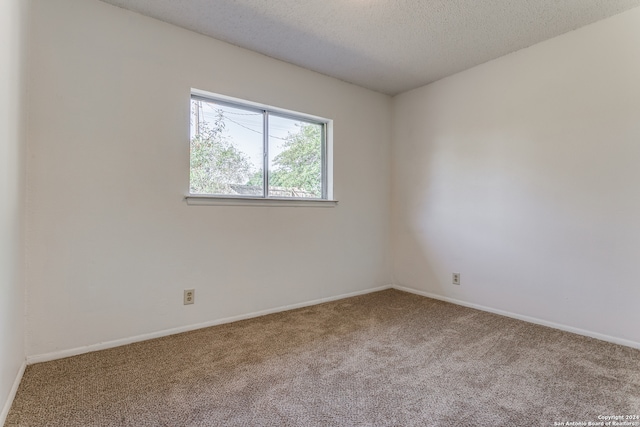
<point>386,45</point>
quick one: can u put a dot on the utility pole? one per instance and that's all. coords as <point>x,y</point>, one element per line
<point>197,105</point>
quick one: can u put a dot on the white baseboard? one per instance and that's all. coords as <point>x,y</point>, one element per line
<point>12,393</point>
<point>124,341</point>
<point>602,337</point>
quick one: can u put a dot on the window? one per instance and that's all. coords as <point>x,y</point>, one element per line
<point>242,150</point>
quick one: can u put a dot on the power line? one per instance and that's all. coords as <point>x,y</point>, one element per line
<point>222,112</point>
<point>253,130</point>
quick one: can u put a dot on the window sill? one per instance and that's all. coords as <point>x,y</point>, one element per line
<point>251,201</point>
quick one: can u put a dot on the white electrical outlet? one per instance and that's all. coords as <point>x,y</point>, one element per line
<point>189,296</point>
<point>456,278</point>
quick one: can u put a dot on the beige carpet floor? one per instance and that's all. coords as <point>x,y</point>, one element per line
<point>384,359</point>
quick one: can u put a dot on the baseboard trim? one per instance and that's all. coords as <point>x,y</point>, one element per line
<point>46,357</point>
<point>12,393</point>
<point>566,328</point>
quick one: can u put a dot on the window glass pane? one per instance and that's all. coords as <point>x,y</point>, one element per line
<point>295,158</point>
<point>226,150</point>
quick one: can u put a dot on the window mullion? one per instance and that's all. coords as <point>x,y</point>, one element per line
<point>323,154</point>
<point>265,157</point>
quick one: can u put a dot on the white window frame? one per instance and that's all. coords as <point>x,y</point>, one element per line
<point>265,200</point>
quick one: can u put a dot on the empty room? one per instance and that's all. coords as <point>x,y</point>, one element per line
<point>320,213</point>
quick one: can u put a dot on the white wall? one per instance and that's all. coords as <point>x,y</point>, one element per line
<point>523,175</point>
<point>12,61</point>
<point>112,244</point>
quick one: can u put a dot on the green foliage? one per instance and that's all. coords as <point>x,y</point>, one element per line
<point>216,163</point>
<point>299,166</point>
<point>256,179</point>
